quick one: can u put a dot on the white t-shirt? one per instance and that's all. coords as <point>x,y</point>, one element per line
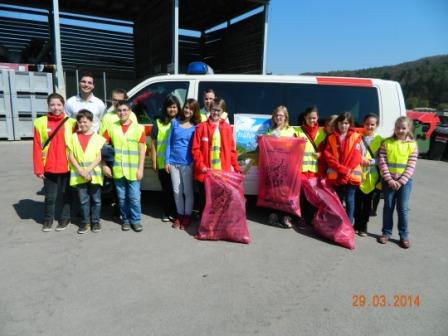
<point>93,104</point>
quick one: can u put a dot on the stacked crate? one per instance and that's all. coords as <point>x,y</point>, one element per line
<point>29,91</point>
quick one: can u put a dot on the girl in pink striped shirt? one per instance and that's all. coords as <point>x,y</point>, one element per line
<point>397,160</point>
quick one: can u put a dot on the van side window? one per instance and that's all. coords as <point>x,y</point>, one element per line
<point>332,99</point>
<point>262,98</point>
<point>147,104</point>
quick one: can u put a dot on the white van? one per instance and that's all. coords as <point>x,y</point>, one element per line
<point>260,94</point>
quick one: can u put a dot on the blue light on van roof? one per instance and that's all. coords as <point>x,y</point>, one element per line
<point>199,68</point>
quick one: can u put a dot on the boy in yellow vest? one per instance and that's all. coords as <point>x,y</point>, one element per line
<point>129,142</point>
<point>85,172</point>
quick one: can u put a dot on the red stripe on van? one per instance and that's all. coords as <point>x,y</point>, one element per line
<point>344,81</point>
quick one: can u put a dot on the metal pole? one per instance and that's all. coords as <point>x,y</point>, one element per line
<point>104,86</point>
<point>265,42</point>
<point>176,36</point>
<point>77,81</point>
<point>59,76</point>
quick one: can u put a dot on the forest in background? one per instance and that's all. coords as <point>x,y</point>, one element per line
<point>424,81</point>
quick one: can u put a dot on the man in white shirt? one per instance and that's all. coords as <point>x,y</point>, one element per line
<point>86,100</point>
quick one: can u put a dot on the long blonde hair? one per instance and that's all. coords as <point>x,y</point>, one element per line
<point>283,109</point>
<point>410,123</point>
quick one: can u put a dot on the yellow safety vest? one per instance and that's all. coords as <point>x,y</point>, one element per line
<point>41,125</point>
<point>310,158</point>
<point>112,117</point>
<point>126,150</point>
<point>85,159</point>
<point>286,132</point>
<point>215,154</point>
<point>370,174</point>
<point>163,131</point>
<point>397,154</point>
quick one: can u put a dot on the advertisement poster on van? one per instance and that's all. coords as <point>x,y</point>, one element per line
<point>246,129</point>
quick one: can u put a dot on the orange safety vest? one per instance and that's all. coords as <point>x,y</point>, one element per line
<point>356,175</point>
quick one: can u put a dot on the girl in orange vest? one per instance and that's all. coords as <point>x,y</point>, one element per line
<point>343,156</point>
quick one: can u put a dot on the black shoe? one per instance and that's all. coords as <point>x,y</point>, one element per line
<point>83,228</point>
<point>137,227</point>
<point>96,227</point>
<point>47,226</point>
<point>125,227</point>
<point>62,225</point>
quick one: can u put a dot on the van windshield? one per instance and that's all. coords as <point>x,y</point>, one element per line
<point>263,98</point>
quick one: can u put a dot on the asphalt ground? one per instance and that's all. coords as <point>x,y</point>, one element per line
<point>165,282</point>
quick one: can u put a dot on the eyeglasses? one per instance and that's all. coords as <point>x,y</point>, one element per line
<point>216,110</point>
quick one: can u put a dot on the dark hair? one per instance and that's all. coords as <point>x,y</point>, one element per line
<point>169,100</point>
<point>84,114</point>
<point>344,116</point>
<point>308,110</point>
<point>194,106</point>
<point>120,91</point>
<point>371,115</point>
<point>55,96</point>
<point>87,74</point>
<point>124,102</point>
<point>209,91</point>
<point>220,102</point>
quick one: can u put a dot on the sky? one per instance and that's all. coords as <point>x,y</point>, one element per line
<point>326,35</point>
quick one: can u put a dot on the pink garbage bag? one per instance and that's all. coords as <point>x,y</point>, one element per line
<point>224,216</point>
<point>279,167</point>
<point>331,220</point>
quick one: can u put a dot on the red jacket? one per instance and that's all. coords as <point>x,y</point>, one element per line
<point>56,161</point>
<point>348,158</point>
<point>202,145</point>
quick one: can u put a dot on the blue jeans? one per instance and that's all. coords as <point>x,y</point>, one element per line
<point>346,194</point>
<point>90,202</point>
<point>400,198</point>
<point>128,194</point>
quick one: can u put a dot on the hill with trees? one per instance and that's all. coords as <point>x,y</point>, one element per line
<point>424,82</point>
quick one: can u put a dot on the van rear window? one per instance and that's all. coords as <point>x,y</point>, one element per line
<point>249,97</point>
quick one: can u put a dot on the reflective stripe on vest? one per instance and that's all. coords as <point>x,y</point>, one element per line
<point>163,131</point>
<point>85,159</point>
<point>356,174</point>
<point>215,154</point>
<point>397,154</point>
<point>41,125</point>
<point>126,150</point>
<point>309,163</point>
<point>371,176</point>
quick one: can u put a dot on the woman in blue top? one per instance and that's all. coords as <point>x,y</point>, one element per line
<point>179,162</point>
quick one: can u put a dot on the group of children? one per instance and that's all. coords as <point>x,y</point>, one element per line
<point>358,163</point>
<point>185,145</point>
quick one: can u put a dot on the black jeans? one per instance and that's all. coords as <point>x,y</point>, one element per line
<point>57,192</point>
<point>363,205</point>
<point>169,207</point>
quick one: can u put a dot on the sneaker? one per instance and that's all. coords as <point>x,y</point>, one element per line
<point>83,228</point>
<point>137,227</point>
<point>362,233</point>
<point>404,243</point>
<point>287,222</point>
<point>46,227</point>
<point>165,218</point>
<point>273,219</point>
<point>96,227</point>
<point>383,239</point>
<point>301,224</point>
<point>125,227</point>
<point>62,225</point>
